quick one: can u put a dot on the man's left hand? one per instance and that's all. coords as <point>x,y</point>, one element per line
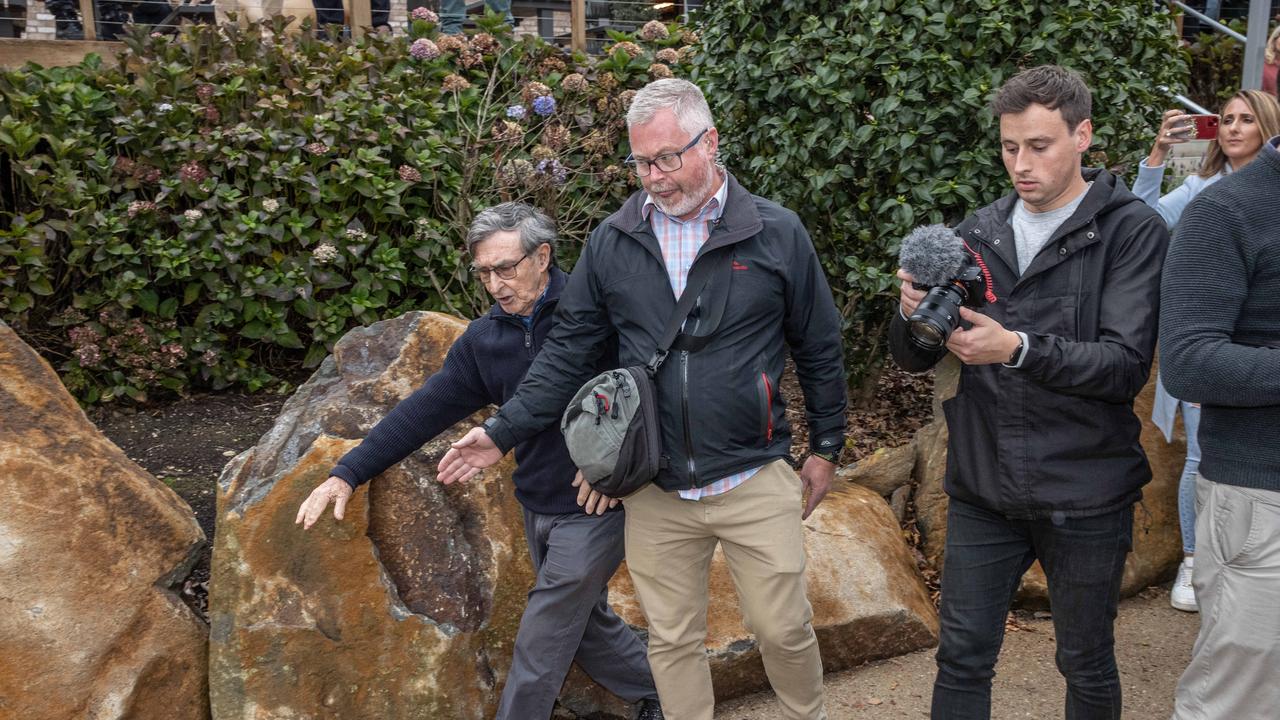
<point>591,501</point>
<point>985,343</point>
<point>816,475</point>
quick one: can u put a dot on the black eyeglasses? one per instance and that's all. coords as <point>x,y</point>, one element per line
<point>670,162</point>
<point>506,271</point>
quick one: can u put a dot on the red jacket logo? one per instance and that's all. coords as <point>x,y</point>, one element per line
<point>738,266</point>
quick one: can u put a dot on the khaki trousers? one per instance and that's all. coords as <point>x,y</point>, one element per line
<point>669,544</point>
<point>1234,672</point>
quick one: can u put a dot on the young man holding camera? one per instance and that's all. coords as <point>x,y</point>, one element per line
<point>1043,458</point>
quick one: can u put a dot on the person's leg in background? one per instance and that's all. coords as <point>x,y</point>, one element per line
<point>1183,594</point>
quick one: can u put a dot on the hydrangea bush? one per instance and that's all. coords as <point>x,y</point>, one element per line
<point>870,117</point>
<point>230,202</point>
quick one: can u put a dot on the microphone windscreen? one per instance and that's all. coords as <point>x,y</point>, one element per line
<point>933,254</point>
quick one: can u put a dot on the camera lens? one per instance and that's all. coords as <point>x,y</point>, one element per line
<point>937,316</point>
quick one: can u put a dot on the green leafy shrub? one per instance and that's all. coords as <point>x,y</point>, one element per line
<point>1217,65</point>
<point>231,201</point>
<point>869,117</point>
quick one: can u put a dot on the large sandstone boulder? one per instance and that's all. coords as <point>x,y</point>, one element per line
<point>408,608</point>
<point>1157,541</point>
<point>883,471</point>
<point>91,546</point>
<point>869,601</point>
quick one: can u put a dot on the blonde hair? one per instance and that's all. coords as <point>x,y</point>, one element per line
<point>1271,56</point>
<point>1266,111</point>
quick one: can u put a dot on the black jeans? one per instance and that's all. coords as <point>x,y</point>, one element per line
<point>987,553</point>
<point>329,12</point>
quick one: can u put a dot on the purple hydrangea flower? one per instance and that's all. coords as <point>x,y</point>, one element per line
<point>559,173</point>
<point>424,49</point>
<point>516,112</point>
<point>544,105</point>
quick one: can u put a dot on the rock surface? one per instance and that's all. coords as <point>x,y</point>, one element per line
<point>90,547</point>
<point>883,471</point>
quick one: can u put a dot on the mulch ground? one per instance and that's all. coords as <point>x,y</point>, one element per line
<point>187,442</point>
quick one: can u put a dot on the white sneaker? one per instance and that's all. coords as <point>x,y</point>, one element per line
<point>1183,595</point>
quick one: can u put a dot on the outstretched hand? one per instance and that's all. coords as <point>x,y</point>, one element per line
<point>467,457</point>
<point>335,489</point>
<point>817,475</point>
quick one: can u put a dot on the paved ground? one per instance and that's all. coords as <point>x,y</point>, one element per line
<point>1153,645</point>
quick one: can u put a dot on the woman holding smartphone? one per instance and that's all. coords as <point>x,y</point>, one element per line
<point>1248,119</point>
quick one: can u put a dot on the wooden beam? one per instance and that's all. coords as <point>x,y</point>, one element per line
<point>578,25</point>
<point>89,20</point>
<point>16,52</point>
<point>361,18</point>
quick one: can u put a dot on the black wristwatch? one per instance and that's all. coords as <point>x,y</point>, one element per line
<point>1013,359</point>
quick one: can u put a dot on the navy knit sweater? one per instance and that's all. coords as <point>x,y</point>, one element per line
<point>1220,322</point>
<point>484,367</point>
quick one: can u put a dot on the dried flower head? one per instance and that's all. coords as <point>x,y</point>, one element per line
<point>424,49</point>
<point>575,83</point>
<point>669,56</point>
<point>451,43</point>
<point>689,37</point>
<point>625,98</point>
<point>545,105</point>
<point>605,105</point>
<point>515,172</point>
<point>211,114</point>
<point>607,82</point>
<point>424,14</point>
<point>533,90</point>
<point>612,171</point>
<point>469,58</point>
<point>193,214</point>
<point>316,148</point>
<point>270,205</point>
<point>454,83</point>
<point>209,357</point>
<point>205,91</point>
<point>148,174</point>
<point>356,235</point>
<point>542,152</point>
<point>506,131</point>
<point>408,173</point>
<point>628,47</point>
<point>516,112</point>
<point>138,207</point>
<point>658,71</point>
<point>686,53</point>
<point>556,136</point>
<point>192,172</point>
<point>654,30</point>
<point>598,142</point>
<point>551,65</point>
<point>484,43</point>
<point>324,253</point>
<point>124,165</point>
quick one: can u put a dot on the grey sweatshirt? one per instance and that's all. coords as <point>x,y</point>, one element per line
<point>1220,322</point>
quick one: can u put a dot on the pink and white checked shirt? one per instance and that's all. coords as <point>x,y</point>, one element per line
<point>680,242</point>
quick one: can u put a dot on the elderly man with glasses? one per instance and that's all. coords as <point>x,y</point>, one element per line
<point>725,439</point>
<point>574,552</point>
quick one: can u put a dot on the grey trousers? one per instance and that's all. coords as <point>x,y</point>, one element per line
<point>568,617</point>
<point>1235,665</point>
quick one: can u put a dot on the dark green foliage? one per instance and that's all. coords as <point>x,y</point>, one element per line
<point>869,117</point>
<point>1217,65</point>
<point>239,199</point>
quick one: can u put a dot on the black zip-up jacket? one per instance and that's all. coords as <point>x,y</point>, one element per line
<point>720,408</point>
<point>484,366</point>
<point>1058,434</point>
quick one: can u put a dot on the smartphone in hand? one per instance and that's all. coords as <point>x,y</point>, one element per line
<point>1205,126</point>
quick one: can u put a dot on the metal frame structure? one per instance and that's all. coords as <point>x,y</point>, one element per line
<point>1255,41</point>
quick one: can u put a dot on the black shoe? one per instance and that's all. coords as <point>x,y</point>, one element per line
<point>650,710</point>
<point>69,30</point>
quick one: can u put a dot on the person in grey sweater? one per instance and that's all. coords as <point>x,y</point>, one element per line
<point>1220,344</point>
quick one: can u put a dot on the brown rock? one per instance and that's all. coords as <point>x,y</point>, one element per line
<point>869,602</point>
<point>408,607</point>
<point>90,547</point>
<point>883,471</point>
<point>1157,541</point>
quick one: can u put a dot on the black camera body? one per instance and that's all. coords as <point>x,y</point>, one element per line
<point>938,314</point>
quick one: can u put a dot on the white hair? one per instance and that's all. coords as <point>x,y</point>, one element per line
<point>679,96</point>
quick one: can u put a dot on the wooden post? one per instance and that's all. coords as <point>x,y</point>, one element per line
<point>361,17</point>
<point>88,20</point>
<point>578,25</point>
